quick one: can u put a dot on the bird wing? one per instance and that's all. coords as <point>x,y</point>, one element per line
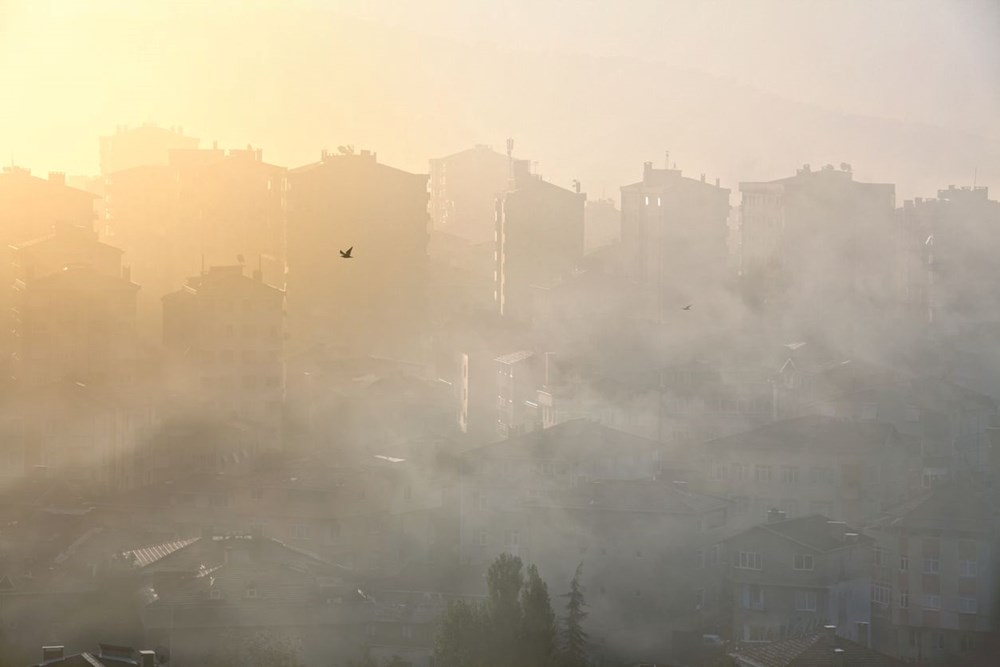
<point>349,250</point>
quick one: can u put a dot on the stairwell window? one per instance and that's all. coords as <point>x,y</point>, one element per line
<point>803,562</point>
<point>931,602</point>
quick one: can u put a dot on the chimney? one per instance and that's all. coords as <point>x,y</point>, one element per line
<point>839,657</point>
<point>837,529</point>
<point>127,273</point>
<point>829,632</point>
<point>258,275</point>
<point>864,634</point>
<point>717,182</point>
<point>51,653</point>
<point>703,178</point>
<point>647,167</point>
<point>147,658</point>
<point>774,515</point>
<point>57,177</point>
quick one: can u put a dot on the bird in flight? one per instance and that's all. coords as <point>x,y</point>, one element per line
<point>687,307</point>
<point>346,254</point>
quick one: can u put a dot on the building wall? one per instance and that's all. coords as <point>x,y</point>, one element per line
<point>540,237</point>
<point>376,299</point>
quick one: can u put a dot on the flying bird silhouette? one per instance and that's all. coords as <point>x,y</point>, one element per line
<point>687,307</point>
<point>346,254</point>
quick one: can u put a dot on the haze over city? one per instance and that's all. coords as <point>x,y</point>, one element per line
<point>363,333</point>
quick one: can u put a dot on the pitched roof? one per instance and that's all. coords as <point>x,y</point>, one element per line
<point>821,649</point>
<point>576,437</point>
<point>953,506</point>
<point>809,432</point>
<point>812,531</point>
<point>645,495</point>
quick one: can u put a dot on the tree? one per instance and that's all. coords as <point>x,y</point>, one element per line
<point>538,621</point>
<point>515,627</point>
<point>574,648</point>
<point>460,641</point>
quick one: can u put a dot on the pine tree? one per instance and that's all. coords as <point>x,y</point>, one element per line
<point>574,649</point>
<point>538,622</point>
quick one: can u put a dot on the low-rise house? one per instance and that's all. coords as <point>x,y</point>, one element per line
<point>789,577</point>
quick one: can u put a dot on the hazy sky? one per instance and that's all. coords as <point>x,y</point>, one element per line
<point>73,70</point>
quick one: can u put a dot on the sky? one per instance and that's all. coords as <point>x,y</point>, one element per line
<point>299,75</point>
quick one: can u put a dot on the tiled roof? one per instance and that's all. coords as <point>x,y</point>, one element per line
<point>817,650</point>
<point>149,555</point>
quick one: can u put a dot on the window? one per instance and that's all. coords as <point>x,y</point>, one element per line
<point>483,538</point>
<point>878,555</point>
<point>511,538</point>
<point>647,201</point>
<point>968,606</point>
<point>931,601</point>
<point>370,629</point>
<point>803,561</point>
<point>967,643</point>
<point>250,592</point>
<point>904,563</point>
<point>740,472</point>
<point>752,597</point>
<point>762,473</point>
<point>297,531</point>
<point>937,641</point>
<point>904,599</point>
<point>407,632</point>
<point>749,560</point>
<point>714,555</point>
<point>215,594</point>
<point>789,475</point>
<point>720,471</point>
<point>805,600</point>
<point>967,568</point>
<point>932,566</point>
<point>869,412</point>
<point>881,594</point>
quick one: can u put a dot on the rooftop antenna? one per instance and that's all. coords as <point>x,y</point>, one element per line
<point>975,175</point>
<point>666,159</point>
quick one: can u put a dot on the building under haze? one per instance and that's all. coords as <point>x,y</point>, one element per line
<point>141,146</point>
<point>673,233</point>
<point>226,332</point>
<point>790,577</point>
<point>539,232</point>
<point>73,311</point>
<point>950,247</point>
<point>375,300</point>
<point>197,207</point>
<point>935,574</point>
<point>818,249</point>
<point>464,187</point>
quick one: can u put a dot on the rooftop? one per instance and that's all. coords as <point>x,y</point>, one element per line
<point>822,649</point>
<point>813,531</point>
<point>815,432</point>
